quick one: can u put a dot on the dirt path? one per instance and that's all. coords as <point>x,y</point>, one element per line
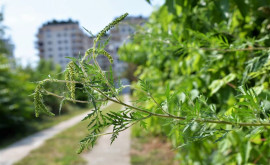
<point>20,149</point>
<point>116,154</point>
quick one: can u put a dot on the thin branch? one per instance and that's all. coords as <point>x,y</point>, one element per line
<point>61,81</point>
<point>160,115</point>
<point>235,50</point>
<point>197,120</point>
<point>78,101</point>
<point>104,77</point>
<point>109,133</point>
<point>158,104</point>
<point>231,85</point>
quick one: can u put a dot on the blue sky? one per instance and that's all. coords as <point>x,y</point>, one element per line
<point>24,17</point>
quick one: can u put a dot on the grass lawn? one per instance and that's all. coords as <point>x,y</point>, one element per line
<point>61,149</point>
<point>43,123</point>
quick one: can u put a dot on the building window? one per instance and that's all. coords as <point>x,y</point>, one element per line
<point>60,55</point>
<point>65,41</point>
<point>59,42</point>
<point>59,48</point>
<point>73,35</point>
<point>50,49</point>
<point>49,42</point>
<point>50,56</point>
<point>59,35</point>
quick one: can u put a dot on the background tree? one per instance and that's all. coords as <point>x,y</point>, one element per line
<point>15,105</point>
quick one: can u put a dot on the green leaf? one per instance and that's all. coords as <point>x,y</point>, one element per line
<point>89,32</point>
<point>221,137</point>
<point>217,84</point>
<point>229,78</point>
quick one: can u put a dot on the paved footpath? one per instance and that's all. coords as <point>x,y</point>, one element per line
<point>116,154</point>
<point>20,149</point>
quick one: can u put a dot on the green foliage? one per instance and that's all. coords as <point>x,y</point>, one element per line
<point>203,81</point>
<point>215,49</point>
<point>16,92</point>
<point>15,107</point>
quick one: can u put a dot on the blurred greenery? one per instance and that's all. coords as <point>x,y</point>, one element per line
<point>17,117</point>
<point>209,48</point>
<point>15,104</point>
<point>17,84</point>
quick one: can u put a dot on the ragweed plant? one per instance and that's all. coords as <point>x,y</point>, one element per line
<point>38,101</point>
<point>191,116</point>
<point>70,76</point>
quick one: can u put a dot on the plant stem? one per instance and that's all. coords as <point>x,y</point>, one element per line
<point>151,113</point>
<point>184,118</point>
<point>78,101</point>
<point>158,104</point>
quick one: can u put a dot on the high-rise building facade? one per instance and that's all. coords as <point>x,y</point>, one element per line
<point>121,34</point>
<point>60,39</point>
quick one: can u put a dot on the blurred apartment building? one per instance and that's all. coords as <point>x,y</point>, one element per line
<point>121,34</point>
<point>60,39</point>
